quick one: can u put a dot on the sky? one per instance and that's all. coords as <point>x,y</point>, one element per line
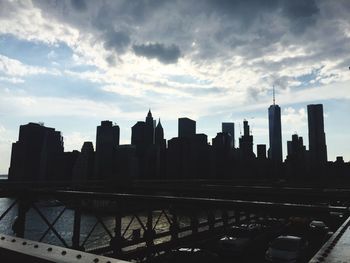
<point>72,64</point>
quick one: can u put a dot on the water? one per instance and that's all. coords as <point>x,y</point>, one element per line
<point>35,226</point>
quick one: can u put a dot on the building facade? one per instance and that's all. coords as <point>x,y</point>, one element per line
<point>317,136</point>
<point>275,133</point>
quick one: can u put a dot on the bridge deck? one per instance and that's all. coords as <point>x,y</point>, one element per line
<point>336,248</point>
<point>147,209</point>
<point>15,249</point>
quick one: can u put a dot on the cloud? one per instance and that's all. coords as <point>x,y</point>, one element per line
<point>13,67</point>
<point>52,55</point>
<point>79,5</point>
<point>261,32</point>
<point>116,40</point>
<point>6,138</point>
<point>293,119</point>
<point>32,106</point>
<point>74,140</point>
<point>165,54</point>
<point>219,56</point>
<point>13,80</point>
<point>301,8</point>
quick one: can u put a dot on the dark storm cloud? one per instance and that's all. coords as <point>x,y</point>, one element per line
<point>79,5</point>
<point>165,54</point>
<point>210,29</point>
<point>301,13</point>
<point>116,40</point>
<point>245,10</point>
<point>300,8</point>
<point>241,21</point>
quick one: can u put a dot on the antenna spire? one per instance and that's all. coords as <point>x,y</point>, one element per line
<point>273,95</point>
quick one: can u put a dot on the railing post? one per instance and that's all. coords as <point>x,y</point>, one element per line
<point>116,241</point>
<point>18,226</point>
<point>224,216</point>
<point>237,216</point>
<point>174,227</point>
<point>211,220</point>
<point>76,229</point>
<point>194,223</point>
<point>149,234</point>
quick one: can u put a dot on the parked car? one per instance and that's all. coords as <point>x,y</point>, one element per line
<point>318,226</point>
<point>318,234</point>
<point>289,249</point>
<point>242,239</point>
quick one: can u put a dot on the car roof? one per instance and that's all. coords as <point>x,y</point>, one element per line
<point>318,223</point>
<point>289,238</point>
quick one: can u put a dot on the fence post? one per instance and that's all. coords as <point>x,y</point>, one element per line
<point>174,227</point>
<point>18,226</point>
<point>76,229</point>
<point>194,223</point>
<point>211,220</point>
<point>116,241</point>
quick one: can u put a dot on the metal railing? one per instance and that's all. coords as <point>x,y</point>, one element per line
<point>143,225</point>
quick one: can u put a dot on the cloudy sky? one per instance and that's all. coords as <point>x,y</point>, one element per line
<point>71,64</point>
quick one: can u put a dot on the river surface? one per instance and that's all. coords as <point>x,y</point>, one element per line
<point>35,226</point>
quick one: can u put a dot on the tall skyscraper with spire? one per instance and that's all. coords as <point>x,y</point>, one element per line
<point>149,128</point>
<point>275,131</point>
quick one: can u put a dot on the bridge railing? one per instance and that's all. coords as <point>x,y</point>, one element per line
<point>24,250</point>
<point>134,225</point>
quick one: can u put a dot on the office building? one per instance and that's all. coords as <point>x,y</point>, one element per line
<point>317,137</point>
<point>149,129</point>
<point>34,155</point>
<point>159,135</point>
<point>186,128</point>
<point>229,127</point>
<point>246,143</point>
<point>107,140</point>
<point>223,140</point>
<point>261,151</point>
<point>275,132</point>
<point>84,166</point>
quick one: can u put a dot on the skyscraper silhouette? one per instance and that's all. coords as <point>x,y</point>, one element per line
<point>107,140</point>
<point>229,127</point>
<point>84,166</point>
<point>317,137</point>
<point>35,153</point>
<point>246,143</point>
<point>296,149</point>
<point>160,148</point>
<point>159,135</point>
<point>275,132</point>
<point>261,151</point>
<point>186,128</point>
<point>142,133</point>
<point>149,129</point>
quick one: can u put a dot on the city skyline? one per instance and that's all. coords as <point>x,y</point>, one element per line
<point>245,130</point>
<point>72,64</point>
<point>39,154</point>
